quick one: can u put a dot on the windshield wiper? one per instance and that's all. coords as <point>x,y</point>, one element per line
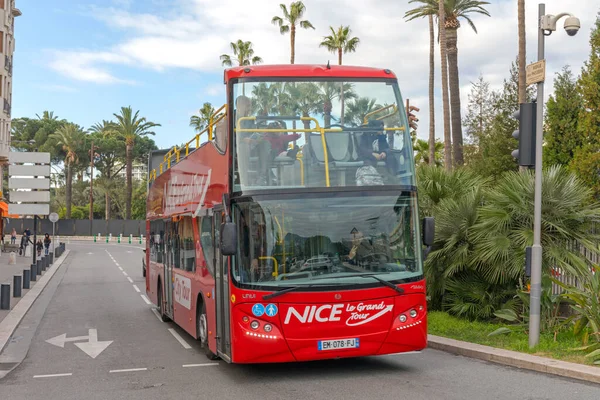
<point>369,275</point>
<point>290,289</point>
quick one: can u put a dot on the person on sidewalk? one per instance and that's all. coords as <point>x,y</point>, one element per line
<point>39,246</point>
<point>47,242</point>
<point>25,240</point>
<point>13,236</point>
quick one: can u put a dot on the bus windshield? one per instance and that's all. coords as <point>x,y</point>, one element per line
<point>332,238</point>
<point>320,133</point>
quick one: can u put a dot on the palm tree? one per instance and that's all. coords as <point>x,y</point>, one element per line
<point>330,91</point>
<point>522,50</point>
<point>432,142</point>
<point>130,126</point>
<point>446,105</point>
<point>70,138</point>
<point>289,22</point>
<point>359,108</point>
<point>106,129</point>
<point>452,11</point>
<point>421,149</point>
<point>340,42</point>
<point>47,116</point>
<point>265,99</point>
<point>243,55</point>
<point>200,122</point>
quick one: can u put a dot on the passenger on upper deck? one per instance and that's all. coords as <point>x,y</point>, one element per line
<point>373,147</point>
<point>265,145</point>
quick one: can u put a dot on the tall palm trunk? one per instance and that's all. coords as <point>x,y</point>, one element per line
<point>128,174</point>
<point>522,54</point>
<point>69,190</point>
<point>340,56</point>
<point>107,198</point>
<point>293,42</point>
<point>446,105</point>
<point>457,142</point>
<point>431,92</point>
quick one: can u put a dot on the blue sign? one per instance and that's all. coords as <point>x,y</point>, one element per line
<point>271,310</point>
<point>258,310</point>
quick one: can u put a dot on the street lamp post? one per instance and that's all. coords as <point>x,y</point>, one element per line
<point>546,25</point>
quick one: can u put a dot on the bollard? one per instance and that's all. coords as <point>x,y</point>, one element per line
<point>46,262</point>
<point>94,238</point>
<point>130,238</point>
<point>33,275</point>
<point>17,286</point>
<point>51,254</point>
<point>38,267</point>
<point>5,296</point>
<point>26,278</point>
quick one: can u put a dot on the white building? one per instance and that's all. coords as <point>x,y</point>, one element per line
<point>8,12</point>
<point>138,172</point>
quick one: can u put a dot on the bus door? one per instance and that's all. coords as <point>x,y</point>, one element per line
<point>168,267</point>
<point>221,290</point>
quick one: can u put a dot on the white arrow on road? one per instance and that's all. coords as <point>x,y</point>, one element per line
<point>92,347</point>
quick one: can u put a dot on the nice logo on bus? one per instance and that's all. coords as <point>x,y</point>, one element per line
<point>356,314</point>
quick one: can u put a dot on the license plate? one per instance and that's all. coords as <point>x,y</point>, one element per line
<point>339,344</point>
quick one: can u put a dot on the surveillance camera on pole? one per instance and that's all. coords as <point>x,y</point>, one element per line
<point>548,23</point>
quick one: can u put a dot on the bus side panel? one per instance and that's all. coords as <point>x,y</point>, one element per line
<point>155,271</point>
<point>183,307</point>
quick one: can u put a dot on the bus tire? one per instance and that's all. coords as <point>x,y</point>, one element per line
<point>161,308</point>
<point>202,330</point>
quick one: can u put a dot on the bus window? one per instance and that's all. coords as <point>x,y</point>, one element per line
<point>157,244</point>
<point>186,244</point>
<point>220,135</point>
<point>206,240</point>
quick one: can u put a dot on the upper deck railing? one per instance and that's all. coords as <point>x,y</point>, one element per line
<point>173,156</point>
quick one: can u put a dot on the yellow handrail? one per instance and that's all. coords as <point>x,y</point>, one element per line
<point>276,272</point>
<point>366,119</point>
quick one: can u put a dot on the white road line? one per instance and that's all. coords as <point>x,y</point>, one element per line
<point>52,375</point>
<point>146,299</point>
<point>137,289</point>
<point>121,268</point>
<point>125,273</point>
<point>199,365</point>
<point>117,264</point>
<point>129,279</point>
<point>157,314</point>
<point>179,339</point>
<point>112,371</point>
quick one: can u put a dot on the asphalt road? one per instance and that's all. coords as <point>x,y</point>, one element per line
<point>147,361</point>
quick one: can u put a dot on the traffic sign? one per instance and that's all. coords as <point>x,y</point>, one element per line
<point>271,310</point>
<point>258,310</point>
<point>53,217</point>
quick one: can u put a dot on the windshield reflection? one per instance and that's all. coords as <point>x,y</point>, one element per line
<point>296,241</point>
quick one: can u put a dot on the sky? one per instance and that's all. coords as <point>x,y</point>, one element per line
<point>85,59</point>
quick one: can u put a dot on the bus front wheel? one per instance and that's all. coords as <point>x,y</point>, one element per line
<point>202,330</point>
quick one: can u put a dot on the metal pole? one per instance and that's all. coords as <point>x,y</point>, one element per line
<point>53,235</point>
<point>536,250</point>
<point>34,237</point>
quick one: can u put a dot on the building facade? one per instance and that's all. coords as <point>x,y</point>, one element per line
<point>8,12</point>
<point>138,172</point>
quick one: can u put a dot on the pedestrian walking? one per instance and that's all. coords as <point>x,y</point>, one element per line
<point>47,242</point>
<point>39,246</point>
<point>13,236</point>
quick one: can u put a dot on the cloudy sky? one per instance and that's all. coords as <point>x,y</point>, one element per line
<point>84,59</point>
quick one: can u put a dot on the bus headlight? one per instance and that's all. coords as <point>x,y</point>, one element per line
<point>403,318</point>
<point>413,313</point>
<point>268,327</point>
<point>254,324</point>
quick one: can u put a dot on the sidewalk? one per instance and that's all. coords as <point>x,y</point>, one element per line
<point>6,276</point>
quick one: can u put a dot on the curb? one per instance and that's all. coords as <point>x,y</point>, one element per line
<point>515,359</point>
<point>14,317</point>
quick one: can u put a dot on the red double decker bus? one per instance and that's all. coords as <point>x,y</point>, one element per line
<point>292,232</point>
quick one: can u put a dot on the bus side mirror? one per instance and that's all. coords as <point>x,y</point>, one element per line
<point>228,239</point>
<point>428,231</point>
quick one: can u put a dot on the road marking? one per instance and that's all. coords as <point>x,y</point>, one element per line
<point>157,314</point>
<point>121,268</point>
<point>179,339</point>
<point>146,299</point>
<point>112,371</point>
<point>137,289</point>
<point>129,279</point>
<point>125,273</point>
<point>52,375</point>
<point>199,365</point>
<point>117,264</point>
<point>92,347</point>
